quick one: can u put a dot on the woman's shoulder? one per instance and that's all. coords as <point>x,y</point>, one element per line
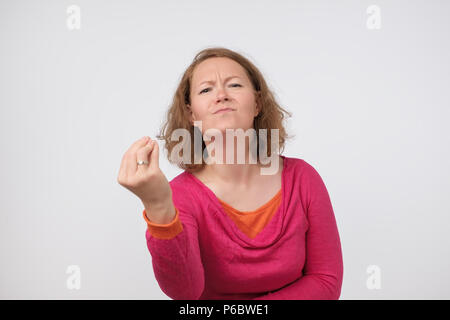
<point>182,182</point>
<point>293,163</point>
<point>187,187</point>
<point>300,167</point>
<point>185,193</point>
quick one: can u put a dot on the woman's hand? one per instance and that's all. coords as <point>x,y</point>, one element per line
<point>146,181</point>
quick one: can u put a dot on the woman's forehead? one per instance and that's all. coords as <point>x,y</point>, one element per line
<point>207,70</point>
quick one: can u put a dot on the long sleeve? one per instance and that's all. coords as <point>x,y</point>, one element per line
<point>176,256</point>
<point>323,269</point>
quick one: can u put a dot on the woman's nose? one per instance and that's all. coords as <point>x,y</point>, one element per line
<point>221,94</point>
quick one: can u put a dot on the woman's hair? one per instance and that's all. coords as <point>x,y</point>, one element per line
<point>270,116</point>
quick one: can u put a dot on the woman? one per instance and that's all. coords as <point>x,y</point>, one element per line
<point>228,229</point>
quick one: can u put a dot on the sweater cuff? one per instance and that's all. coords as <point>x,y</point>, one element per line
<point>165,231</point>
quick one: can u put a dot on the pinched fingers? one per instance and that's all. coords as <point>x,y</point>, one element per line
<point>143,154</point>
<point>129,163</point>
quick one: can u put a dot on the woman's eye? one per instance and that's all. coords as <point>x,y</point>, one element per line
<point>234,84</point>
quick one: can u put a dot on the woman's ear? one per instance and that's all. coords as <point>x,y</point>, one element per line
<point>257,107</point>
<point>257,110</point>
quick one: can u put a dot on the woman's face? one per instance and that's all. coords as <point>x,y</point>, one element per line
<point>218,83</point>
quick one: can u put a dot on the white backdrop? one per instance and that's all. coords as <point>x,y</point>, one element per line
<point>367,83</point>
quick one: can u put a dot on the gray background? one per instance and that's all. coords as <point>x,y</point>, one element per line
<point>370,109</point>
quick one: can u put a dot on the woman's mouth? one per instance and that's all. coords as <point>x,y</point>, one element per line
<point>223,110</point>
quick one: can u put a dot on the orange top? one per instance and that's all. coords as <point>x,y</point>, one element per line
<point>165,231</point>
<point>249,222</point>
<point>252,222</point>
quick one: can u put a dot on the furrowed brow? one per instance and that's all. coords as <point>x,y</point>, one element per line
<point>211,81</point>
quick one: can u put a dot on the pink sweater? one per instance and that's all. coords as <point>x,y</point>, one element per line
<point>296,256</point>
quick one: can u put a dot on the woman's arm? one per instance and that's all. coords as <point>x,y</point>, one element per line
<point>308,287</point>
<point>176,256</point>
<point>323,269</point>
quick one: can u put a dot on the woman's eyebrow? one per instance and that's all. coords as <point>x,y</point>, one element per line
<point>211,81</point>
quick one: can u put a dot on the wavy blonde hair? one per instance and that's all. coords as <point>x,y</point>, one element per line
<point>271,114</point>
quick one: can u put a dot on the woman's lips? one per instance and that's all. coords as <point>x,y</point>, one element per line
<point>223,110</point>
